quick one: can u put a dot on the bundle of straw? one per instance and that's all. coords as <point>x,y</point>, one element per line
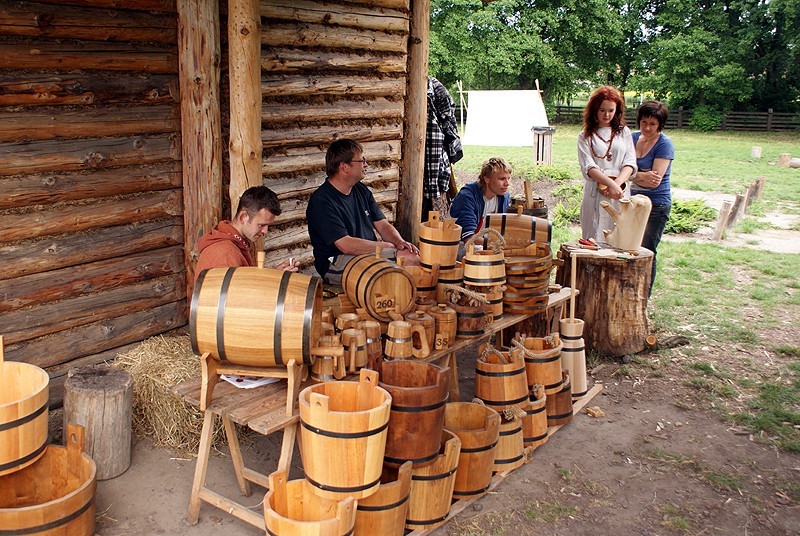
<point>156,365</point>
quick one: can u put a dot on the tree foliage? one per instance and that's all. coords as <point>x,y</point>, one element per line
<point>724,54</point>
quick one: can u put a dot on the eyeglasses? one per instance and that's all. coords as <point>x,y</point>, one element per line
<point>363,161</point>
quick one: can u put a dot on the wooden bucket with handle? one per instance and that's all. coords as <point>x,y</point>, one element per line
<point>432,485</point>
<point>478,427</point>
<point>438,242</point>
<point>384,512</point>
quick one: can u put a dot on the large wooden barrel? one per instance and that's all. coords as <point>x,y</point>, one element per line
<point>534,423</point>
<point>384,512</point>
<point>509,454</point>
<point>500,379</point>
<point>256,316</point>
<point>432,486</point>
<point>343,435</point>
<point>419,393</point>
<point>24,392</point>
<point>438,242</point>
<point>519,230</point>
<point>478,428</point>
<point>55,495</point>
<point>293,509</point>
<point>378,286</point>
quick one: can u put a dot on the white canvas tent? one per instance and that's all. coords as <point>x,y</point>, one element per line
<point>503,118</point>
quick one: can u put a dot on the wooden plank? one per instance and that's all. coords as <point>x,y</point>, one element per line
<point>346,86</point>
<point>277,60</point>
<point>316,35</point>
<point>85,123</point>
<point>100,213</point>
<point>26,324</point>
<point>201,124</point>
<point>295,210</point>
<point>92,24</point>
<point>302,185</point>
<point>47,188</point>
<point>65,283</point>
<point>34,256</point>
<point>722,219</point>
<point>68,155</point>
<point>70,344</point>
<point>353,16</point>
<point>89,56</point>
<point>26,89</point>
<point>310,159</point>
<point>167,6</point>
<point>325,134</point>
<point>273,113</point>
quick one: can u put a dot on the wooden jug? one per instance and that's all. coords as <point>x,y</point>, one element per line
<point>400,341</point>
<point>354,342</point>
<point>426,321</point>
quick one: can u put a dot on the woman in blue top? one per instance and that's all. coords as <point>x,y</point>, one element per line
<point>654,156</point>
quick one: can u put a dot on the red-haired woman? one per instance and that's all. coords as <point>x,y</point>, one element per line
<point>607,158</point>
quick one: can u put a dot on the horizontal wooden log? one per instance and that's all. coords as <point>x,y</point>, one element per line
<point>100,213</point>
<point>46,188</point>
<point>292,86</point>
<point>20,89</point>
<point>277,60</point>
<point>317,35</point>
<point>90,56</point>
<point>88,123</point>
<point>58,374</point>
<point>92,24</point>
<point>295,210</point>
<point>52,253</point>
<point>325,134</point>
<point>166,6</point>
<point>308,159</point>
<point>355,16</point>
<point>379,108</point>
<point>304,185</point>
<point>27,324</point>
<point>65,283</point>
<point>69,344</point>
<point>68,155</point>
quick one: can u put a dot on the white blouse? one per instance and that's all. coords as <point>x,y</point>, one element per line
<point>621,153</point>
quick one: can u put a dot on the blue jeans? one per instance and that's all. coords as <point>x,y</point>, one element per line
<point>659,215</point>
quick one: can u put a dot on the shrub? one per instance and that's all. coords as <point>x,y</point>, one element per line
<point>689,216</point>
<point>568,208</point>
<point>705,118</point>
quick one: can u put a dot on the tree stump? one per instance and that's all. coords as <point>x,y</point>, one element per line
<point>100,398</point>
<point>613,297</point>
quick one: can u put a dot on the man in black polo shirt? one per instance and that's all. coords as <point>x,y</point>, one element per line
<point>343,216</point>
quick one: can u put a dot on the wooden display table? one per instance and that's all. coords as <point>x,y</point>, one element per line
<point>615,286</point>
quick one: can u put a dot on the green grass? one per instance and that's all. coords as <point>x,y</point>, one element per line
<point>549,512</point>
<point>674,519</point>
<point>718,479</point>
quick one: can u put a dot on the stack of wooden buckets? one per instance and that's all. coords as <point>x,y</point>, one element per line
<point>44,489</point>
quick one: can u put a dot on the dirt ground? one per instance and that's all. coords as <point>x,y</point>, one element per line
<point>661,461</point>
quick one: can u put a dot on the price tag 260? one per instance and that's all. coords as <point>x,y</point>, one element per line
<point>383,304</point>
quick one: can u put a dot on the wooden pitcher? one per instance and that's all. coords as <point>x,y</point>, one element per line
<point>400,341</point>
<point>426,321</point>
<point>374,342</point>
<point>354,341</point>
<point>327,368</point>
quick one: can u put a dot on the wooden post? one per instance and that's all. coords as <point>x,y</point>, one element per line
<point>100,398</point>
<point>722,219</point>
<point>201,148</point>
<point>409,206</point>
<point>734,214</point>
<point>784,159</point>
<point>244,60</point>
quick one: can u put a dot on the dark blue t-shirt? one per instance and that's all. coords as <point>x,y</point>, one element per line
<point>660,195</point>
<point>332,215</point>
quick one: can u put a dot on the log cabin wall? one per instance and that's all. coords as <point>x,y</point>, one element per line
<point>329,70</point>
<point>91,227</point>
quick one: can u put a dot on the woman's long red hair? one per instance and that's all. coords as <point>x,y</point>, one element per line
<point>599,95</point>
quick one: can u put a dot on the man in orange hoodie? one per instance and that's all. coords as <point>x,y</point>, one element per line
<point>228,244</point>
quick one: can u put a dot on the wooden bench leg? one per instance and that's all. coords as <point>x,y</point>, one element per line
<point>455,391</point>
<point>236,455</point>
<point>287,447</point>
<point>200,468</point>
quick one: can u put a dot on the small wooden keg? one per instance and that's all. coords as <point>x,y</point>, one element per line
<point>378,286</point>
<point>445,323</point>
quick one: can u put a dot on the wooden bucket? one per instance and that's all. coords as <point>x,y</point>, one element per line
<point>445,322</point>
<point>534,260</point>
<point>509,451</point>
<point>478,427</point>
<point>343,435</point>
<point>374,341</point>
<point>419,393</point>
<point>471,320</point>
<point>432,486</point>
<point>519,230</point>
<point>449,277</point>
<point>256,316</point>
<point>500,379</point>
<point>55,495</point>
<point>426,321</point>
<point>293,509</point>
<point>438,242</point>
<point>543,361</point>
<point>573,355</point>
<point>484,268</point>
<point>327,368</point>
<point>378,286</point>
<point>534,423</point>
<point>354,342</point>
<point>424,280</point>
<point>559,405</point>
<point>384,512</point>
<point>24,394</point>
<point>494,299</point>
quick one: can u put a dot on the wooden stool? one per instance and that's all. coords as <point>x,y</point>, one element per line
<point>266,410</point>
